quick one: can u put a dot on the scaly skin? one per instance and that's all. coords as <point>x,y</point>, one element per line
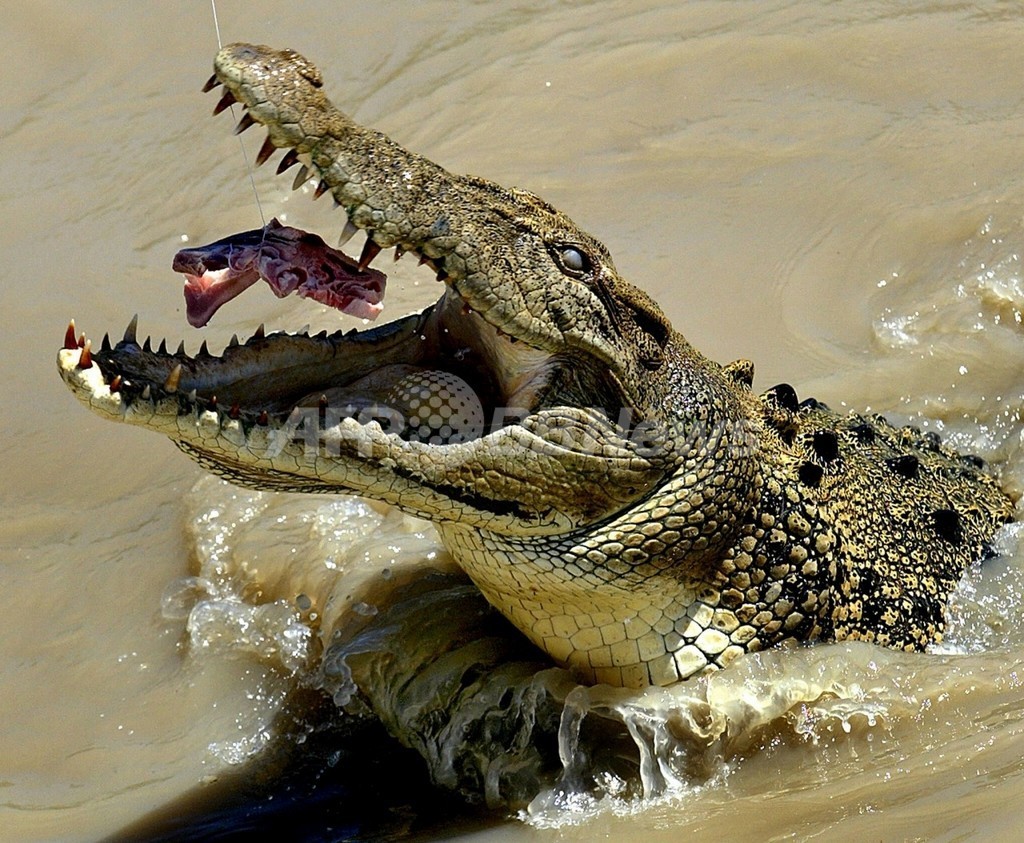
<point>647,517</point>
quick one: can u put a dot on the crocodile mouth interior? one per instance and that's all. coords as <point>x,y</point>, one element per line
<point>346,374</point>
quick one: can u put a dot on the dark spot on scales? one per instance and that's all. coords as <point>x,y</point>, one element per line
<point>864,432</point>
<point>871,586</point>
<point>906,466</point>
<point>947,525</point>
<point>825,444</point>
<point>810,474</point>
<point>785,396</point>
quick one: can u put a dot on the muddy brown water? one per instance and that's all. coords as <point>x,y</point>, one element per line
<point>833,190</point>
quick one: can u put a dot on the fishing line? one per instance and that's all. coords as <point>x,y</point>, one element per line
<point>245,155</point>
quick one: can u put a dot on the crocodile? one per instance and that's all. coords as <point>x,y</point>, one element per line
<point>634,508</point>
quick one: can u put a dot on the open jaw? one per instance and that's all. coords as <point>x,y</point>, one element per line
<point>441,376</point>
<point>468,411</point>
<point>422,412</point>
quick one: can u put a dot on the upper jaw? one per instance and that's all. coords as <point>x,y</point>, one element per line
<point>464,228</point>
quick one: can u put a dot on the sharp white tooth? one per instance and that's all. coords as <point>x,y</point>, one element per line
<point>173,379</point>
<point>147,393</point>
<point>301,177</point>
<point>346,233</point>
<point>131,330</point>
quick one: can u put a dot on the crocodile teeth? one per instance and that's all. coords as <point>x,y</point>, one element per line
<point>173,379</point>
<point>347,233</point>
<point>261,332</point>
<point>265,151</point>
<point>211,83</point>
<point>115,384</point>
<point>301,177</point>
<point>85,361</point>
<point>147,393</point>
<point>370,251</point>
<point>69,336</point>
<point>225,101</point>
<point>321,189</point>
<point>130,331</point>
<point>243,124</point>
<point>291,158</point>
<point>105,345</point>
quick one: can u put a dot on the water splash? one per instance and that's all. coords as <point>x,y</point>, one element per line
<point>943,324</point>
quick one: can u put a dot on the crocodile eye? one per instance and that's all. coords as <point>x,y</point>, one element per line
<point>571,260</point>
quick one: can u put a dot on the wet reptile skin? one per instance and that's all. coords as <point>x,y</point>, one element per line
<point>711,522</point>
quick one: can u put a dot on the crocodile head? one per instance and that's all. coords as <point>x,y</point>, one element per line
<point>547,368</point>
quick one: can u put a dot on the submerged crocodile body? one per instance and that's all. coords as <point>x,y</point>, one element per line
<point>635,509</point>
